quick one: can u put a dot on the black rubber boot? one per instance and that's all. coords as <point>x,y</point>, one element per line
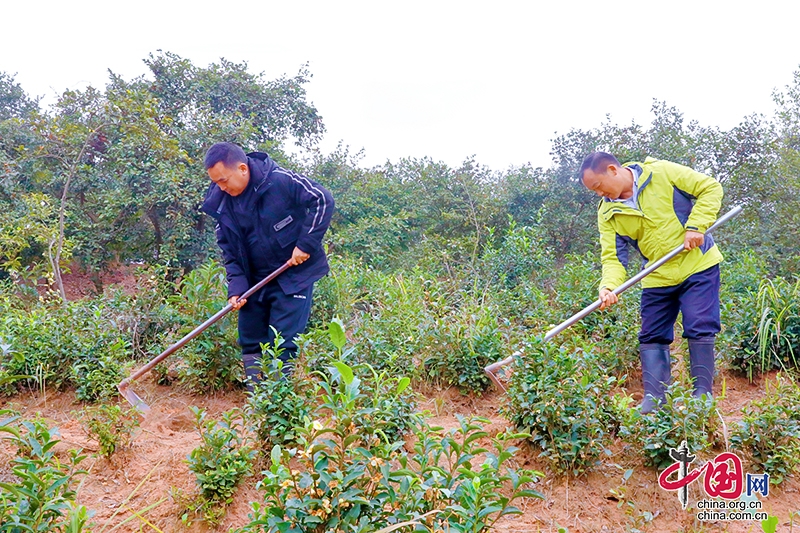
<point>252,369</point>
<point>701,358</point>
<point>656,374</point>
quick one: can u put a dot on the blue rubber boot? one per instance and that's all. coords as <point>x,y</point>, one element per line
<point>701,359</point>
<point>656,375</point>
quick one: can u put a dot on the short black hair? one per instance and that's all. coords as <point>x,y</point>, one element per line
<point>230,154</point>
<point>598,162</point>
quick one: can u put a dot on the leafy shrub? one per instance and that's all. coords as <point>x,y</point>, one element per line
<point>520,256</point>
<point>562,399</point>
<point>277,406</point>
<point>211,364</point>
<point>769,431</point>
<point>342,478</point>
<point>43,498</point>
<point>465,343</point>
<point>220,462</point>
<point>682,417</point>
<point>48,340</point>
<point>7,380</point>
<point>613,333</point>
<point>392,405</point>
<point>742,272</point>
<point>275,409</point>
<point>417,322</point>
<point>212,361</point>
<point>146,315</point>
<point>97,374</point>
<point>774,340</point>
<point>111,426</point>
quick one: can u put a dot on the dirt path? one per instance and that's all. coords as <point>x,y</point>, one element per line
<point>147,472</point>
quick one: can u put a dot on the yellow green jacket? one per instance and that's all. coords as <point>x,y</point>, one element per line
<point>672,199</point>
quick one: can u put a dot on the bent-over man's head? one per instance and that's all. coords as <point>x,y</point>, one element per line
<point>226,164</point>
<point>603,174</point>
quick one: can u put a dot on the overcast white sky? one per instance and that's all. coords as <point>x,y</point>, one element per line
<point>432,78</point>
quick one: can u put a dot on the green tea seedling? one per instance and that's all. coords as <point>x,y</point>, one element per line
<point>220,462</point>
<point>111,426</point>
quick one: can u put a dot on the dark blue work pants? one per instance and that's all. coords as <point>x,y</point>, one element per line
<point>287,313</point>
<point>697,298</point>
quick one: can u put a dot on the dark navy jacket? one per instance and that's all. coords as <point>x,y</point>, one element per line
<point>291,210</point>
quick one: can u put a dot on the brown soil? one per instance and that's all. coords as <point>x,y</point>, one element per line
<point>145,473</point>
<point>78,283</point>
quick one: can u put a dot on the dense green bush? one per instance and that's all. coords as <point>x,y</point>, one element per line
<point>97,374</point>
<point>520,257</point>
<point>90,343</point>
<point>47,340</point>
<point>769,328</point>
<point>682,417</point>
<point>405,322</point>
<point>769,432</point>
<point>562,398</point>
<point>344,476</point>
<point>277,405</point>
<point>210,362</point>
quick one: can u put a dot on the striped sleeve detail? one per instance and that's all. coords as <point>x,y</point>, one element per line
<point>311,189</point>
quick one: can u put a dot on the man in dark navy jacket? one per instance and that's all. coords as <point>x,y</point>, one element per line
<point>266,216</point>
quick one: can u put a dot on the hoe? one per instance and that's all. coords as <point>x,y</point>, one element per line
<point>124,385</point>
<point>491,370</point>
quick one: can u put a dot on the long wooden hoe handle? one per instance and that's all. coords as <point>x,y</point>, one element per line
<point>494,367</point>
<point>124,385</point>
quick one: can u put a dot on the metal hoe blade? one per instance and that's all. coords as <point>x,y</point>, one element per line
<point>134,399</point>
<point>126,392</point>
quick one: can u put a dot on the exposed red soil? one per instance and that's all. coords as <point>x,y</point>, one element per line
<point>156,460</point>
<point>78,283</point>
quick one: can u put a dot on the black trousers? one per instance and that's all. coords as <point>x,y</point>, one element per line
<point>697,298</point>
<point>287,313</point>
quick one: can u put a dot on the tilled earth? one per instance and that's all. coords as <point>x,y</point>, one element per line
<point>153,468</point>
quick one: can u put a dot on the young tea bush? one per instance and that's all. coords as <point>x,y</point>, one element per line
<point>682,417</point>
<point>97,374</point>
<point>111,426</point>
<point>48,340</point>
<point>212,362</point>
<point>43,496</point>
<point>464,343</point>
<point>386,405</point>
<point>562,399</point>
<point>742,272</point>
<point>219,463</point>
<point>521,256</point>
<point>343,476</point>
<point>275,409</point>
<point>277,405</point>
<point>769,432</point>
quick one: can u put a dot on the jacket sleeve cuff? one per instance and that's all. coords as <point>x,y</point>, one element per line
<point>308,244</point>
<point>237,286</point>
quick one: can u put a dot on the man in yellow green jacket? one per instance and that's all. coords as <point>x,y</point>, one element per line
<point>655,206</point>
